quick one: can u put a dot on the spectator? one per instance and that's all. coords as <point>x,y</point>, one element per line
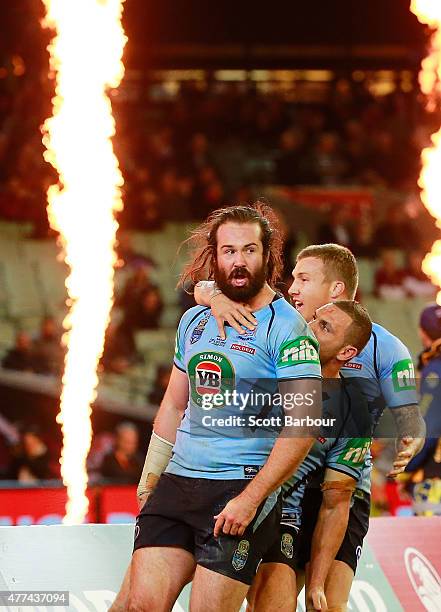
<point>21,357</point>
<point>292,165</point>
<point>415,282</point>
<point>160,385</point>
<point>135,285</point>
<point>330,164</point>
<point>32,461</point>
<point>397,231</point>
<point>124,464</point>
<point>47,348</point>
<point>425,468</point>
<point>363,239</point>
<point>130,257</point>
<point>119,349</point>
<point>337,229</point>
<point>389,277</point>
<point>146,312</point>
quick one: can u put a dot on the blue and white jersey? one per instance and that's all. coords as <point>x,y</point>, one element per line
<point>282,347</point>
<point>386,372</point>
<point>350,455</point>
<point>346,455</point>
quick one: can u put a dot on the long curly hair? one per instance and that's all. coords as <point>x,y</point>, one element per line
<point>203,242</point>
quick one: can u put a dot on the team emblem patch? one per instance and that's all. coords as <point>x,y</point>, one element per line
<point>210,374</point>
<point>403,376</point>
<point>286,545</point>
<point>199,329</point>
<point>240,556</point>
<point>303,349</point>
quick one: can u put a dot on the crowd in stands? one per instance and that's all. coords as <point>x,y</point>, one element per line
<point>43,354</point>
<point>28,455</point>
<point>184,155</point>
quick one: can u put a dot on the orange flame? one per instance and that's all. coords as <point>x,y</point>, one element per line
<point>429,12</point>
<point>86,58</point>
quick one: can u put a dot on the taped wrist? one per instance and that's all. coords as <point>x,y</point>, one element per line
<point>348,484</point>
<point>157,458</point>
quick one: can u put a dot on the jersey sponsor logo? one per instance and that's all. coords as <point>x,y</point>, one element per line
<point>286,545</point>
<point>353,365</point>
<point>303,349</point>
<point>210,373</point>
<point>243,349</point>
<point>354,453</point>
<point>249,471</point>
<point>403,376</point>
<point>218,341</point>
<point>293,518</point>
<point>248,336</point>
<point>240,556</point>
<point>199,329</point>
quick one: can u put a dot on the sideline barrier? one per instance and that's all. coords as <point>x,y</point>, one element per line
<point>46,505</point>
<point>399,569</point>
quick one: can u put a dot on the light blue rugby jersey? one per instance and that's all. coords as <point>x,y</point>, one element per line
<point>387,375</point>
<point>386,371</point>
<point>343,400</point>
<point>347,455</point>
<point>282,347</point>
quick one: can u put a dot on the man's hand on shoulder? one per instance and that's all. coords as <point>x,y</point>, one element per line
<point>237,315</point>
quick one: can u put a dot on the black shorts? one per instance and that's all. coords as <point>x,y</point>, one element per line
<point>358,525</point>
<point>180,511</point>
<point>284,549</point>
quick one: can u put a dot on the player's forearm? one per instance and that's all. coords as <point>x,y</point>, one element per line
<point>326,540</point>
<point>204,291</point>
<point>167,421</point>
<point>410,423</point>
<point>284,459</point>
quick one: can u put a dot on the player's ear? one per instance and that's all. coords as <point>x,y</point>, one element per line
<point>347,353</point>
<point>337,289</point>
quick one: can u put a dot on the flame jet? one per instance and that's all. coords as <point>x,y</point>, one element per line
<point>85,59</point>
<point>429,13</point>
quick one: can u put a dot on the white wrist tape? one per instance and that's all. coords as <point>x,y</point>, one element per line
<point>157,458</point>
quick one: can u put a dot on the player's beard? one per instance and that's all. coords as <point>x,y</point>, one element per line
<point>240,294</point>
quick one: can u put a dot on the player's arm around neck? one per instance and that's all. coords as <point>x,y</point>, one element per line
<point>163,437</point>
<point>329,531</point>
<point>294,441</point>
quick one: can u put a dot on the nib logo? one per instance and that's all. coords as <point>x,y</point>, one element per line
<point>403,375</point>
<point>300,350</point>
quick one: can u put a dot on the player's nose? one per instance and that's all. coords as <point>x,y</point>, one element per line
<point>239,260</point>
<point>293,290</point>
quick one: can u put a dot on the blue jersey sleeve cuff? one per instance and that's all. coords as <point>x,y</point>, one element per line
<point>180,367</point>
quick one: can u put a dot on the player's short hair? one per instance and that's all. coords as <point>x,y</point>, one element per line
<point>203,242</point>
<point>360,329</point>
<point>338,262</point>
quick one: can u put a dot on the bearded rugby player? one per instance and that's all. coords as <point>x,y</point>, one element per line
<point>212,509</point>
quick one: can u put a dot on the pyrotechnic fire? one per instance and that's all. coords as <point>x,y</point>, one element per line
<point>429,12</point>
<point>86,59</point>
